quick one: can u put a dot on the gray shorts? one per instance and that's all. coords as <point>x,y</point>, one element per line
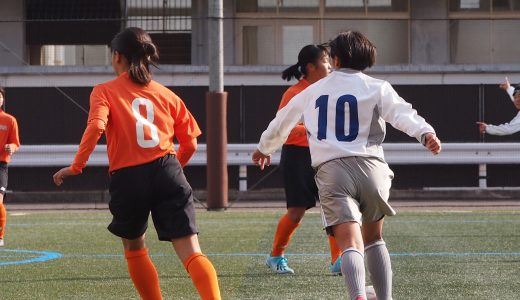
<point>354,189</point>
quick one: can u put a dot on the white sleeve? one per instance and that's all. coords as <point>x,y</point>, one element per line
<point>505,129</point>
<point>510,91</point>
<point>400,114</point>
<point>280,127</point>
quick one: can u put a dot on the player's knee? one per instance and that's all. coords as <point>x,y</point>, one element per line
<point>296,214</point>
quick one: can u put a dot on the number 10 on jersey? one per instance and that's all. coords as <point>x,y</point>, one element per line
<point>322,104</point>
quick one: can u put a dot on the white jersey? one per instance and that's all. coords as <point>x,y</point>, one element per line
<point>345,115</point>
<point>505,129</point>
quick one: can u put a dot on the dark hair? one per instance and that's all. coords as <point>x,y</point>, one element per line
<point>353,50</point>
<point>516,90</point>
<point>308,54</point>
<point>137,46</point>
<point>2,91</point>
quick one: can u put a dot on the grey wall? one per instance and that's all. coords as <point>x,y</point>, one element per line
<point>12,33</point>
<point>430,35</point>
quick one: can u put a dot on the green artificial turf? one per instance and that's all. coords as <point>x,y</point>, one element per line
<point>435,255</point>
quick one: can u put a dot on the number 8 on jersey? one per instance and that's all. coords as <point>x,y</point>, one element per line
<point>148,121</point>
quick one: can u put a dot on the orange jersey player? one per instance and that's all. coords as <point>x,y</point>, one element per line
<point>9,144</point>
<point>140,118</point>
<point>139,123</point>
<point>301,192</point>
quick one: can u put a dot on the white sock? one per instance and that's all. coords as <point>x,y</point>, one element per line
<point>353,269</point>
<point>380,269</point>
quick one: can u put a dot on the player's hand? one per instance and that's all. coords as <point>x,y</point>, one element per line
<point>505,85</point>
<point>432,143</point>
<point>261,159</point>
<point>61,175</point>
<point>482,127</point>
<point>9,149</point>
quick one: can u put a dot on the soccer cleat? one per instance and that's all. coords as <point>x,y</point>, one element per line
<point>335,268</point>
<point>279,265</point>
<point>1,242</point>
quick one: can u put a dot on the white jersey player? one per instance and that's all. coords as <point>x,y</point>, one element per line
<point>345,115</point>
<point>507,128</point>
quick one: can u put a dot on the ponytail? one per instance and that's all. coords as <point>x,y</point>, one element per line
<point>292,71</point>
<point>137,47</point>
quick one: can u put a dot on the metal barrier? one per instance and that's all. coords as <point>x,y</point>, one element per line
<point>240,155</point>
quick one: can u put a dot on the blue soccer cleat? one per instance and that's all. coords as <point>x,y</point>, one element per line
<point>279,265</point>
<point>335,268</point>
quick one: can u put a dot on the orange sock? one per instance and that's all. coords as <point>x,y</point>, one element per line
<point>203,275</point>
<point>335,251</point>
<point>284,232</point>
<point>143,274</point>
<point>3,220</point>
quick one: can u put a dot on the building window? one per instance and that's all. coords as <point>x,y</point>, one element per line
<point>366,6</point>
<point>487,6</point>
<point>469,5</point>
<point>256,45</point>
<point>273,6</point>
<point>66,55</point>
<point>294,38</point>
<point>159,15</point>
<point>265,42</point>
<point>389,36</point>
<point>484,31</point>
<point>484,41</point>
<point>295,23</point>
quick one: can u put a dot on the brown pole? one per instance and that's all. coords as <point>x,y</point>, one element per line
<point>216,141</point>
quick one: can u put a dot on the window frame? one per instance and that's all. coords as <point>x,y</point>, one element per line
<point>278,32</point>
<point>278,19</point>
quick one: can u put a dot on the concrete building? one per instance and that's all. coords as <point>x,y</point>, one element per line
<point>446,57</point>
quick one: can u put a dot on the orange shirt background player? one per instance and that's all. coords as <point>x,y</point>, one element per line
<point>138,122</point>
<point>298,135</point>
<point>8,135</point>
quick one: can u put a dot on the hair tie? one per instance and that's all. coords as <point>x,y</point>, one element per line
<point>299,68</point>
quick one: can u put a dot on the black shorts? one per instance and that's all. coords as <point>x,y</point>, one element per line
<point>300,186</point>
<point>3,177</point>
<point>159,188</point>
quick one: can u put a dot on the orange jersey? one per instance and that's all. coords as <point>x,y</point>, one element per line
<point>139,123</point>
<point>298,135</point>
<point>8,135</point>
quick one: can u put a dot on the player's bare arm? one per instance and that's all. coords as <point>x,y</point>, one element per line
<point>432,143</point>
<point>261,159</point>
